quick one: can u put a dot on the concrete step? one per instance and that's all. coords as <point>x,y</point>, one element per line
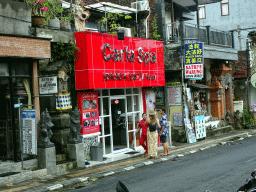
<point>212,123</point>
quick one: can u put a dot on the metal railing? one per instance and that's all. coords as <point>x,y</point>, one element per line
<point>203,34</point>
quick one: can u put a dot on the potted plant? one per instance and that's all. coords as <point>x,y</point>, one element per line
<point>65,18</point>
<point>39,9</point>
<point>55,8</point>
<point>112,23</point>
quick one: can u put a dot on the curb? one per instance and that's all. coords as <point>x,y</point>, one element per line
<point>122,169</point>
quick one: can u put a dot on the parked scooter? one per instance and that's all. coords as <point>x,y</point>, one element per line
<point>250,185</point>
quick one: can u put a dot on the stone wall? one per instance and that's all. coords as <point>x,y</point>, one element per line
<point>15,17</point>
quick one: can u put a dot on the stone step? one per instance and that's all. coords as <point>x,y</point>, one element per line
<point>212,123</point>
<point>23,175</point>
<point>206,118</point>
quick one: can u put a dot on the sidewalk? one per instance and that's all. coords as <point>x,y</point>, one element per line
<point>104,169</point>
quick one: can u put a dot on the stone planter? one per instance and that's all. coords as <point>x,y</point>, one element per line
<point>54,23</point>
<point>65,25</point>
<point>38,21</point>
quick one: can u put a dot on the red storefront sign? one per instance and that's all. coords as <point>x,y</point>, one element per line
<point>106,62</point>
<point>88,105</point>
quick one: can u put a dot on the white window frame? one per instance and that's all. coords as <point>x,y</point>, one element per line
<point>222,4</point>
<point>201,12</point>
<point>133,113</point>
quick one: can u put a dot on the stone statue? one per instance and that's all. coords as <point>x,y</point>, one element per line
<point>75,127</point>
<point>45,133</point>
<point>238,119</point>
<point>80,16</point>
<point>228,118</point>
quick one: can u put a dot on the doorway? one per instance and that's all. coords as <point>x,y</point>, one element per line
<point>120,111</point>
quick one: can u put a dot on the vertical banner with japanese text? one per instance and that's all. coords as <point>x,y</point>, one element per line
<point>194,68</point>
<point>88,105</point>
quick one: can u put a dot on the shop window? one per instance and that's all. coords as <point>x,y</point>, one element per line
<point>105,92</point>
<point>129,104</point>
<point>20,69</point>
<point>105,107</point>
<point>116,92</point>
<point>4,70</point>
<point>224,7</point>
<point>22,89</point>
<point>129,91</point>
<point>201,11</point>
<point>135,90</point>
<point>136,103</point>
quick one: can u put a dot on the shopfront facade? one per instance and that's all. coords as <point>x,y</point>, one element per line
<point>112,77</point>
<point>19,88</point>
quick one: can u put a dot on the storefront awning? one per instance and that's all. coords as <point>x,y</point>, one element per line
<point>110,8</point>
<point>199,86</point>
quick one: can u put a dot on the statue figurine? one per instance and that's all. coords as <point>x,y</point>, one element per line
<point>45,133</point>
<point>75,127</point>
<point>80,16</point>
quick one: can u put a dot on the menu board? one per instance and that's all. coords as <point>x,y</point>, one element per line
<point>29,132</point>
<point>178,119</point>
<point>200,126</point>
<point>88,105</point>
<point>174,95</point>
<point>159,97</point>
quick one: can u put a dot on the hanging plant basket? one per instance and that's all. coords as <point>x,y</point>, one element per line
<point>38,21</point>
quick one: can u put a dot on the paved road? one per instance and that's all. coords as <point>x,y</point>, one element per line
<point>219,169</point>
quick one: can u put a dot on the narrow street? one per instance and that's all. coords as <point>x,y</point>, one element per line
<point>220,169</point>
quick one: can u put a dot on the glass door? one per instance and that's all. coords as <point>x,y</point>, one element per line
<point>119,123</point>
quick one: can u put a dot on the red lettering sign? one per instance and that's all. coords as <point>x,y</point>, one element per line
<point>106,62</point>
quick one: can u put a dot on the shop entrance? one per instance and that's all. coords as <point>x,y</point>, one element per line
<point>119,123</point>
<point>120,112</point>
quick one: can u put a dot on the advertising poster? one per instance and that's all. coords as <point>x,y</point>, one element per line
<point>150,99</point>
<point>190,133</point>
<point>174,94</point>
<point>29,132</point>
<point>88,105</point>
<point>200,127</point>
<point>178,119</point>
<point>159,98</point>
<point>194,68</point>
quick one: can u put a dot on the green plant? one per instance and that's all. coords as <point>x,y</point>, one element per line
<point>65,52</point>
<point>154,25</point>
<point>66,16</point>
<point>248,118</point>
<point>111,21</point>
<point>38,7</point>
<point>55,8</point>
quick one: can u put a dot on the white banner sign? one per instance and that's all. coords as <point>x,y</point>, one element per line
<point>48,85</point>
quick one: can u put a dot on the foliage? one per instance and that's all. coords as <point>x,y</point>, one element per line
<point>65,52</point>
<point>111,20</point>
<point>248,118</point>
<point>66,16</point>
<point>45,8</point>
<point>154,25</point>
<point>178,136</point>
